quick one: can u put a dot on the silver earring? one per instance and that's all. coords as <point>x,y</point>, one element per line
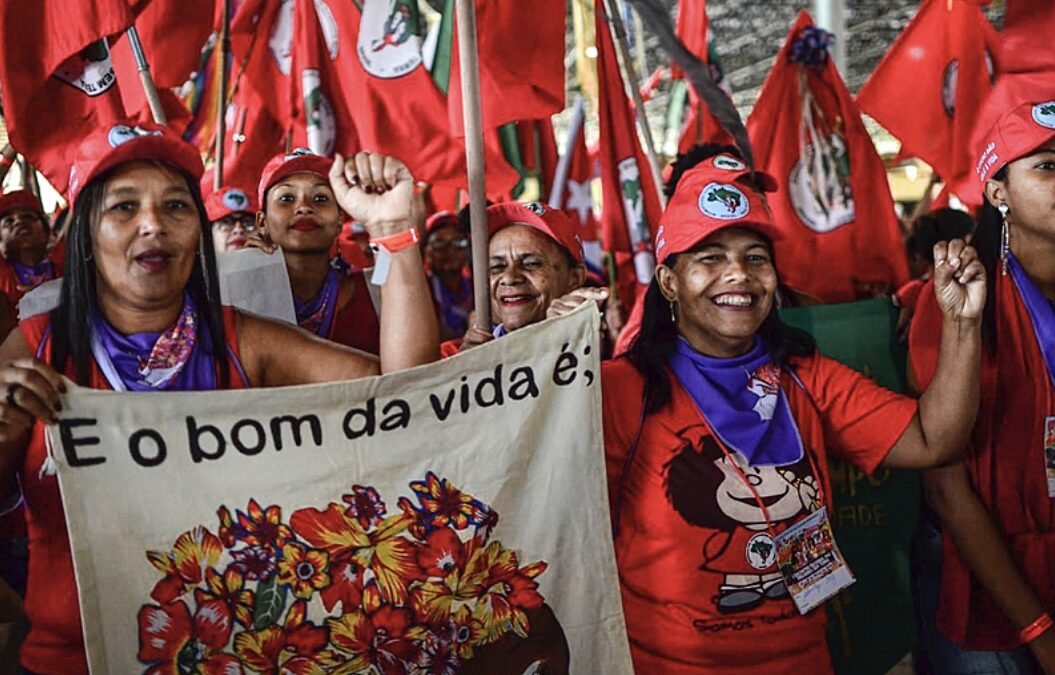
<point>1005,237</point>
<point>673,317</point>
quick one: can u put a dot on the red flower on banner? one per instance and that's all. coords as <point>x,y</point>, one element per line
<point>227,593</point>
<point>365,505</point>
<point>304,569</point>
<point>375,639</point>
<point>184,565</point>
<point>297,647</point>
<point>263,527</point>
<point>170,641</point>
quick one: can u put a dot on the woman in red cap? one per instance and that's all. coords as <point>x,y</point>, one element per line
<point>300,215</point>
<point>537,270</point>
<point>140,311</point>
<point>25,243</point>
<point>718,424</point>
<point>996,509</point>
<point>446,260</point>
<point>232,211</point>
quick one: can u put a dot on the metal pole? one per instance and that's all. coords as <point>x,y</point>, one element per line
<point>221,114</point>
<point>619,34</point>
<point>472,117</point>
<point>831,16</point>
<point>560,180</point>
<point>156,110</point>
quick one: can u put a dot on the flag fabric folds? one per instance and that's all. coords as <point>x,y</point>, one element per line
<point>842,237</point>
<point>945,57</point>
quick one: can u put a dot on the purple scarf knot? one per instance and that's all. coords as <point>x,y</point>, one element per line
<point>316,315</point>
<point>742,401</point>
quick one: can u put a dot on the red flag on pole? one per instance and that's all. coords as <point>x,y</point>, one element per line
<point>842,236</point>
<point>57,76</point>
<point>514,86</point>
<point>693,29</point>
<point>1028,28</point>
<point>946,56</point>
<point>630,212</point>
<point>573,190</point>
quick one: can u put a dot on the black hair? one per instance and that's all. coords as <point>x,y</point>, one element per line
<point>71,321</point>
<point>693,156</point>
<point>986,241</point>
<point>940,225</point>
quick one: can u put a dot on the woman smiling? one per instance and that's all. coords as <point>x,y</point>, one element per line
<point>718,425</point>
<point>140,311</point>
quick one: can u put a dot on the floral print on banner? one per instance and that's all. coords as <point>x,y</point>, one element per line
<point>419,591</point>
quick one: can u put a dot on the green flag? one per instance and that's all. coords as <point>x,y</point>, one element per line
<point>871,625</point>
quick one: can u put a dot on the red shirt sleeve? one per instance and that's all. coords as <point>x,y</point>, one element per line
<point>862,420</point>
<point>924,338</point>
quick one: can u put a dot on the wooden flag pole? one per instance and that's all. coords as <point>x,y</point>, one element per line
<point>143,67</point>
<point>221,114</point>
<point>472,116</point>
<point>630,74</point>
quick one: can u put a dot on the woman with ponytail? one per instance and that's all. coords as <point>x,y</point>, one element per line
<point>718,424</point>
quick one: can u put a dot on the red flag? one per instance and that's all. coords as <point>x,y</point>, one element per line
<point>253,136</point>
<point>513,85</point>
<point>1028,28</point>
<point>842,236</point>
<point>572,191</point>
<point>57,76</point>
<point>945,55</point>
<point>539,150</point>
<point>631,208</point>
<point>693,29</point>
<point>262,44</point>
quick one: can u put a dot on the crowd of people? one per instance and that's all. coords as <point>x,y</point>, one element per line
<point>720,420</point>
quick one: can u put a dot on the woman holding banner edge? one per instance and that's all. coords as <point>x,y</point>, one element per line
<point>717,425</point>
<point>140,311</point>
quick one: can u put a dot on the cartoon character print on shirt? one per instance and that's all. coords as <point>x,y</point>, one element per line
<point>708,491</point>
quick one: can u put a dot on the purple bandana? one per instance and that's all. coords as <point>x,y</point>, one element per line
<point>454,307</point>
<point>316,315</point>
<point>1040,310</point>
<point>742,401</point>
<point>31,277</point>
<point>172,360</point>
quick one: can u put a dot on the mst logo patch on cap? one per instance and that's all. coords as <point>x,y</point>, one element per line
<point>1044,114</point>
<point>723,202</point>
<point>122,133</point>
<point>728,163</point>
<point>235,199</point>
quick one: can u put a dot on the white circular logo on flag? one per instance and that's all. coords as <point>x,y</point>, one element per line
<point>389,45</point>
<point>761,551</point>
<point>235,200</point>
<point>1044,114</point>
<point>728,163</point>
<point>723,202</point>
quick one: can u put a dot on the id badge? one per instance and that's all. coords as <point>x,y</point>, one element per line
<point>810,562</point>
<point>1049,453</point>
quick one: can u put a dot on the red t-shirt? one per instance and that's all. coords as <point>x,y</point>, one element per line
<point>11,287</point>
<point>355,324</point>
<point>1005,463</point>
<point>55,643</point>
<point>691,544</point>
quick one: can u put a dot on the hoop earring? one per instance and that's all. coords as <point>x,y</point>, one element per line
<point>673,316</point>
<point>1005,238</point>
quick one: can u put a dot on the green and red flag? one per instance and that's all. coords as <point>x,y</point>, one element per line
<point>842,239</point>
<point>631,207</point>
<point>693,29</point>
<point>57,76</point>
<point>945,57</point>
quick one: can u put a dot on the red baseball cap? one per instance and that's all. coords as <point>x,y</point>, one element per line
<point>440,219</point>
<point>229,200</point>
<point>715,194</point>
<point>20,199</point>
<point>127,141</point>
<point>300,160</point>
<point>1017,118</point>
<point>550,222</point>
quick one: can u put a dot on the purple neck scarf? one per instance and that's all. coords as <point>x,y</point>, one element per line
<point>742,401</point>
<point>454,307</point>
<point>316,315</point>
<point>1040,311</point>
<point>31,277</point>
<point>173,360</point>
